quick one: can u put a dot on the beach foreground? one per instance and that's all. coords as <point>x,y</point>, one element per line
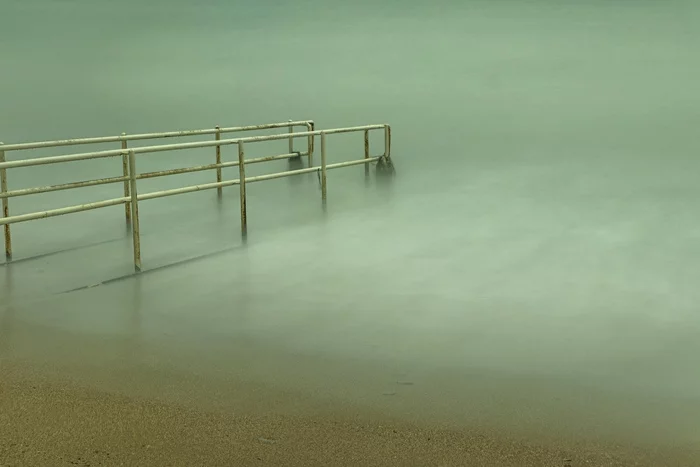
<point>48,421</point>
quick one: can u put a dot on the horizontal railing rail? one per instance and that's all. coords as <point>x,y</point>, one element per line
<point>176,147</point>
<point>124,139</point>
<point>144,136</point>
<point>130,175</point>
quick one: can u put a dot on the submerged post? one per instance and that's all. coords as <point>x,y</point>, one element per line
<point>125,172</point>
<point>5,206</point>
<point>366,153</point>
<point>218,161</point>
<point>323,166</point>
<point>310,142</point>
<point>387,142</point>
<point>136,231</point>
<point>384,164</point>
<point>241,176</point>
<point>295,159</point>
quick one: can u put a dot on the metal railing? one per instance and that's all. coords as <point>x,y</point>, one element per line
<point>130,175</point>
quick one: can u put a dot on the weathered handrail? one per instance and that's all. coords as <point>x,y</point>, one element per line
<point>142,136</point>
<point>131,176</point>
<point>177,146</point>
<point>124,139</point>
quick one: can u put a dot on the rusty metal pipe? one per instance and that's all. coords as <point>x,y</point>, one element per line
<point>310,142</point>
<point>62,211</point>
<point>340,165</point>
<point>184,170</point>
<point>257,178</point>
<point>258,160</point>
<point>125,173</point>
<point>241,175</point>
<point>187,189</point>
<point>131,176</point>
<point>63,186</point>
<point>180,146</point>
<point>218,162</point>
<point>387,142</point>
<point>5,206</point>
<point>291,173</point>
<point>177,191</point>
<point>135,225</point>
<point>137,137</point>
<point>248,139</point>
<point>199,168</point>
<point>323,166</point>
<point>60,159</point>
<point>366,153</point>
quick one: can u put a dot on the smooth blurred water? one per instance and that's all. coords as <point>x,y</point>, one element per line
<point>533,264</point>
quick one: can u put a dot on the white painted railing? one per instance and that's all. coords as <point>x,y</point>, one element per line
<point>130,175</point>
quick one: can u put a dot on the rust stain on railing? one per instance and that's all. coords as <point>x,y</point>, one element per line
<point>63,186</point>
<point>218,160</point>
<point>125,173</point>
<point>143,136</point>
<point>5,206</point>
<point>241,183</point>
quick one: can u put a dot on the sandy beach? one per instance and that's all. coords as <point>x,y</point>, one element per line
<point>52,422</point>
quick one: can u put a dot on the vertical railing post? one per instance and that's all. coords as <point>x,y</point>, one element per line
<point>241,177</point>
<point>5,206</point>
<point>135,227</point>
<point>219,191</point>
<point>291,139</point>
<point>311,127</point>
<point>387,143</point>
<point>125,172</point>
<point>366,153</point>
<point>323,166</point>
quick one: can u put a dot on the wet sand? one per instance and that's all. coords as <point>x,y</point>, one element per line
<point>46,420</point>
